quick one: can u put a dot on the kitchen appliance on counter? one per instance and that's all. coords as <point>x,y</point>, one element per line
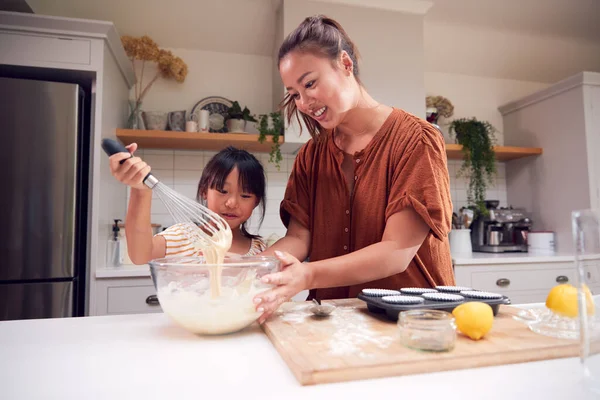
<point>502,230</point>
<point>44,202</point>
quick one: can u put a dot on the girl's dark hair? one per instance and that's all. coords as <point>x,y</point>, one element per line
<point>252,177</point>
<point>324,37</point>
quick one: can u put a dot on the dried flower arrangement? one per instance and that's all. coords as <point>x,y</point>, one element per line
<point>145,49</point>
<point>443,108</point>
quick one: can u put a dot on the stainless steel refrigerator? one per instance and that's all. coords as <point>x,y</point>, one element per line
<point>43,200</point>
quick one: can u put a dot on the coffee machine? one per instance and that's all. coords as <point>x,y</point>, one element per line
<point>502,230</point>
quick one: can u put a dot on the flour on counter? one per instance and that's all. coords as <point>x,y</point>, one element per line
<point>353,333</point>
<point>295,314</point>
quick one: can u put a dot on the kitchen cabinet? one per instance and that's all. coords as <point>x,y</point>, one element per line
<point>523,281</point>
<point>563,119</point>
<point>45,49</point>
<point>135,295</point>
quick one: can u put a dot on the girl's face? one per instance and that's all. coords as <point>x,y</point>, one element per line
<point>232,203</point>
<point>323,90</point>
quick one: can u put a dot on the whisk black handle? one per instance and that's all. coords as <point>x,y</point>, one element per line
<point>111,147</point>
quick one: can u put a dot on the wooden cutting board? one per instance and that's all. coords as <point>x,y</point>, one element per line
<point>353,344</point>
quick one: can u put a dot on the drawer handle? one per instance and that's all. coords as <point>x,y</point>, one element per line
<point>503,282</point>
<point>562,279</point>
<point>152,300</point>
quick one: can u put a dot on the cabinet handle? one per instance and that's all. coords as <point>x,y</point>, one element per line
<point>562,279</point>
<point>503,282</point>
<point>152,300</point>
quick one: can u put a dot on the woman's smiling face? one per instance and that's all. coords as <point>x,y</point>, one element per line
<point>322,89</point>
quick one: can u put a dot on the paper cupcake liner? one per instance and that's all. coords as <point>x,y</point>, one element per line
<point>443,297</point>
<point>452,289</point>
<point>402,299</point>
<point>474,294</point>
<point>416,290</point>
<point>379,292</point>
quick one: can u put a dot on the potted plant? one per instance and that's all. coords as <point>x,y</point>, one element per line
<point>272,125</point>
<point>479,163</point>
<point>237,118</point>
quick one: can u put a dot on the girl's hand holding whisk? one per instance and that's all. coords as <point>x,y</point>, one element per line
<point>128,169</point>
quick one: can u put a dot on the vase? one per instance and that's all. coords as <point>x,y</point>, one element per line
<point>432,115</point>
<point>134,121</point>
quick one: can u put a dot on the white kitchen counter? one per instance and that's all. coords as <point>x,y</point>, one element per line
<point>124,271</point>
<point>509,258</point>
<point>148,357</point>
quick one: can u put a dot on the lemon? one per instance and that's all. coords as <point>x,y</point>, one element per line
<point>474,319</point>
<point>562,299</point>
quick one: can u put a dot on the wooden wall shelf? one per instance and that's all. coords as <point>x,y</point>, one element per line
<point>503,153</point>
<point>249,141</point>
<point>194,140</point>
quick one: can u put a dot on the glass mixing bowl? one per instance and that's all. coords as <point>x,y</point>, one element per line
<point>209,299</point>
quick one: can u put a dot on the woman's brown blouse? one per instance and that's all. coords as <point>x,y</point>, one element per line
<point>404,165</point>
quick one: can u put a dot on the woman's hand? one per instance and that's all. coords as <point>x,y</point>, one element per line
<point>293,278</point>
<point>132,171</point>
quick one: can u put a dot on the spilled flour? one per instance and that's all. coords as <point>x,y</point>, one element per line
<point>346,331</point>
<point>295,314</point>
<point>353,332</point>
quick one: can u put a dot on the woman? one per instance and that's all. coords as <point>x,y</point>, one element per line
<point>368,200</point>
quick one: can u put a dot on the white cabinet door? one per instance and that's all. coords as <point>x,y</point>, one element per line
<point>126,296</point>
<point>36,50</point>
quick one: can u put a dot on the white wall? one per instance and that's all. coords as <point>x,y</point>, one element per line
<point>507,54</point>
<point>241,77</point>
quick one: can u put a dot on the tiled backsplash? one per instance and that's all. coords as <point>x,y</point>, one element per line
<point>181,170</point>
<point>458,186</point>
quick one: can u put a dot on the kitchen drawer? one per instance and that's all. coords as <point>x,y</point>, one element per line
<point>592,272</point>
<point>125,296</point>
<point>20,48</point>
<point>132,300</point>
<point>502,281</point>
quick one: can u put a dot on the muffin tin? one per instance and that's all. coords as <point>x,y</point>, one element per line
<point>444,299</point>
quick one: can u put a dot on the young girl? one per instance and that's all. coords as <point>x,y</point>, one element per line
<point>232,185</point>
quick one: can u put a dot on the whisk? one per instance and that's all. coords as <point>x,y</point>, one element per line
<point>205,228</point>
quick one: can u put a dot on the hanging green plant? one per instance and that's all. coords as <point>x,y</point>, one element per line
<point>275,129</point>
<point>479,163</point>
